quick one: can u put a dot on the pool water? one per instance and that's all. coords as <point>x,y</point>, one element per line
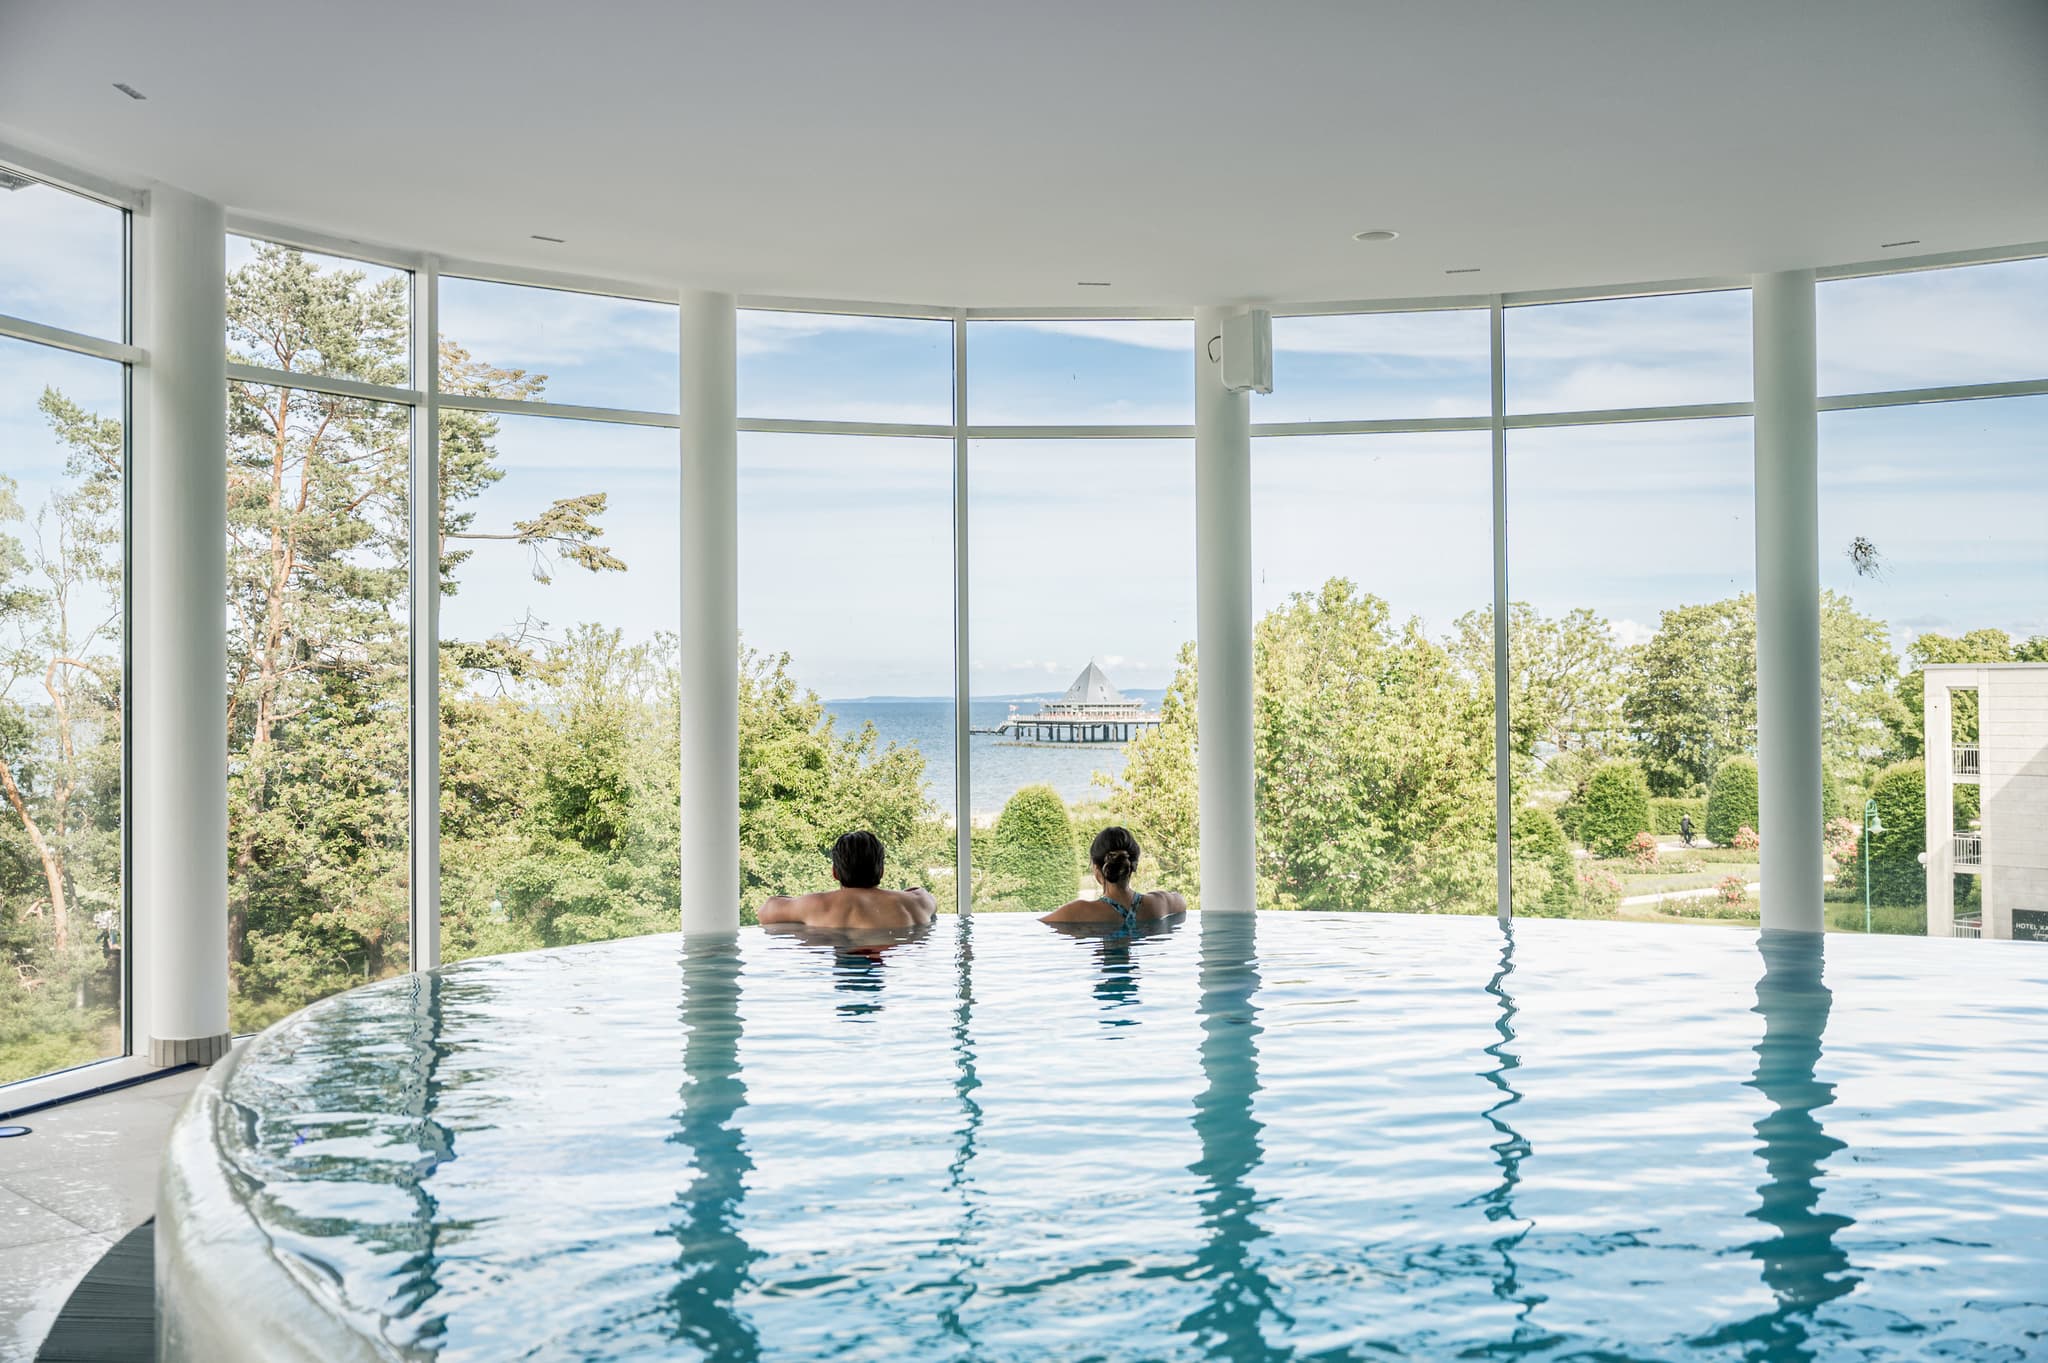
<point>1291,1137</point>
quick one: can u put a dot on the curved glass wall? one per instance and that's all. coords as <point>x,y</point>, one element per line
<point>63,628</point>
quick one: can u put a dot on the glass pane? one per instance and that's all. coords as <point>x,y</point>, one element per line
<point>307,313</point>
<point>318,706</point>
<point>870,633</point>
<point>813,366</point>
<point>1379,366</point>
<point>1080,373</point>
<point>1373,578</point>
<point>1632,670</point>
<point>1931,328</point>
<point>1082,556</point>
<point>62,919</point>
<point>1663,351</point>
<point>1932,552</point>
<point>551,345</point>
<point>63,259</point>
<point>560,761</point>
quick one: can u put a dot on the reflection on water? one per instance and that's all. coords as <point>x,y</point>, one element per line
<point>1802,1265</point>
<point>1508,1152</point>
<point>1116,962</point>
<point>713,1260</point>
<point>1231,1323</point>
<point>858,969</point>
<point>1262,1139</point>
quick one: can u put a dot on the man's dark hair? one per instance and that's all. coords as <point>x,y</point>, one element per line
<point>857,860</point>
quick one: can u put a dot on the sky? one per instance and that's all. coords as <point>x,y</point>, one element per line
<point>1084,549</point>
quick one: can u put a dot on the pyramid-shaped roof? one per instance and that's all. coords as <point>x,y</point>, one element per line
<point>1093,688</point>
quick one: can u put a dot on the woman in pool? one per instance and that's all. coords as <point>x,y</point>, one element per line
<point>1114,857</point>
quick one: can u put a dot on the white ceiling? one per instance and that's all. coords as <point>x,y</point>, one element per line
<point>994,152</point>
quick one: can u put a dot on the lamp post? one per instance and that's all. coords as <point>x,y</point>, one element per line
<point>1872,823</point>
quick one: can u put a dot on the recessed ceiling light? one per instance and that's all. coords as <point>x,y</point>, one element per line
<point>1375,234</point>
<point>1887,245</point>
<point>1469,269</point>
<point>129,90</point>
<point>1091,283</point>
<point>556,240</point>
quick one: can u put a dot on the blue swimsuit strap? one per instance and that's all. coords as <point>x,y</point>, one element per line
<point>1127,912</point>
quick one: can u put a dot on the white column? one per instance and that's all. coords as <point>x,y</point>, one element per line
<point>963,714</point>
<point>1223,626</point>
<point>1938,720</point>
<point>1788,599</point>
<point>710,622</point>
<point>426,619</point>
<point>178,630</point>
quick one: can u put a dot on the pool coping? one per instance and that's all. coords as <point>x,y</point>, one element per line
<point>224,1295</point>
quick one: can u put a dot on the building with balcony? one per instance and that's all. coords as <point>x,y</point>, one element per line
<point>1987,726</point>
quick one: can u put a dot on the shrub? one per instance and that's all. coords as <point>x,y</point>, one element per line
<point>1032,848</point>
<point>1896,875</point>
<point>1617,807</point>
<point>1643,851</point>
<point>1667,810</point>
<point>1733,889</point>
<point>1839,838</point>
<point>1732,802</point>
<point>1746,840</point>
<point>1537,837</point>
<point>1599,889</point>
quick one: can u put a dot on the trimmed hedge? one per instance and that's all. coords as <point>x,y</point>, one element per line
<point>1666,810</point>
<point>1617,807</point>
<point>1731,804</point>
<point>1896,875</point>
<point>1537,836</point>
<point>1032,846</point>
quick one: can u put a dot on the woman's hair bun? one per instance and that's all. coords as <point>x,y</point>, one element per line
<point>1116,852</point>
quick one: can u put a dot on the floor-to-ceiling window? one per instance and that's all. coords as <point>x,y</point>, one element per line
<point>1934,547</point>
<point>319,577</point>
<point>846,598</point>
<point>1082,604</point>
<point>63,471</point>
<point>1372,585</point>
<point>1632,653</point>
<point>560,596</point>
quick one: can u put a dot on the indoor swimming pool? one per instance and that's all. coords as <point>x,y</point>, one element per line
<point>1272,1137</point>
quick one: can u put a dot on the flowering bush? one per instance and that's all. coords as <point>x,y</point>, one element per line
<point>1733,889</point>
<point>1840,838</point>
<point>1643,851</point>
<point>1599,889</point>
<point>1746,839</point>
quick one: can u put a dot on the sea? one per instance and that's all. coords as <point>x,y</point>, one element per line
<point>1000,769</point>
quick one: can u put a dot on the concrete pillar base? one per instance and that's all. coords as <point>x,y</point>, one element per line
<point>202,1050</point>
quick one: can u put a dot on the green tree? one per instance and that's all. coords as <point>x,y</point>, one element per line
<point>1374,759</point>
<point>1565,675</point>
<point>1156,797</point>
<point>1032,848</point>
<point>1616,808</point>
<point>1896,875</point>
<point>1732,803</point>
<point>1536,836</point>
<point>1692,690</point>
<point>1977,646</point>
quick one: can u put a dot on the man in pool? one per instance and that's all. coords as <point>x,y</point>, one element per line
<point>859,902</point>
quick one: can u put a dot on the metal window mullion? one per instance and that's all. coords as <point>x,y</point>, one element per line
<point>1503,779</point>
<point>793,426</point>
<point>963,718</point>
<point>1958,392</point>
<point>1081,432</point>
<point>424,636</point>
<point>1390,426</point>
<point>560,411</point>
<point>1611,416</point>
<point>78,342</point>
<point>331,384</point>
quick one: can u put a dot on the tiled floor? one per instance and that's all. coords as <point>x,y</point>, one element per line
<point>85,1177</point>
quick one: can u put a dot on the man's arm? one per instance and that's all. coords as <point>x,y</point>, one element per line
<point>921,898</point>
<point>789,908</point>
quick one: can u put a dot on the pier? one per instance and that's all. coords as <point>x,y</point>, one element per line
<point>1091,711</point>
